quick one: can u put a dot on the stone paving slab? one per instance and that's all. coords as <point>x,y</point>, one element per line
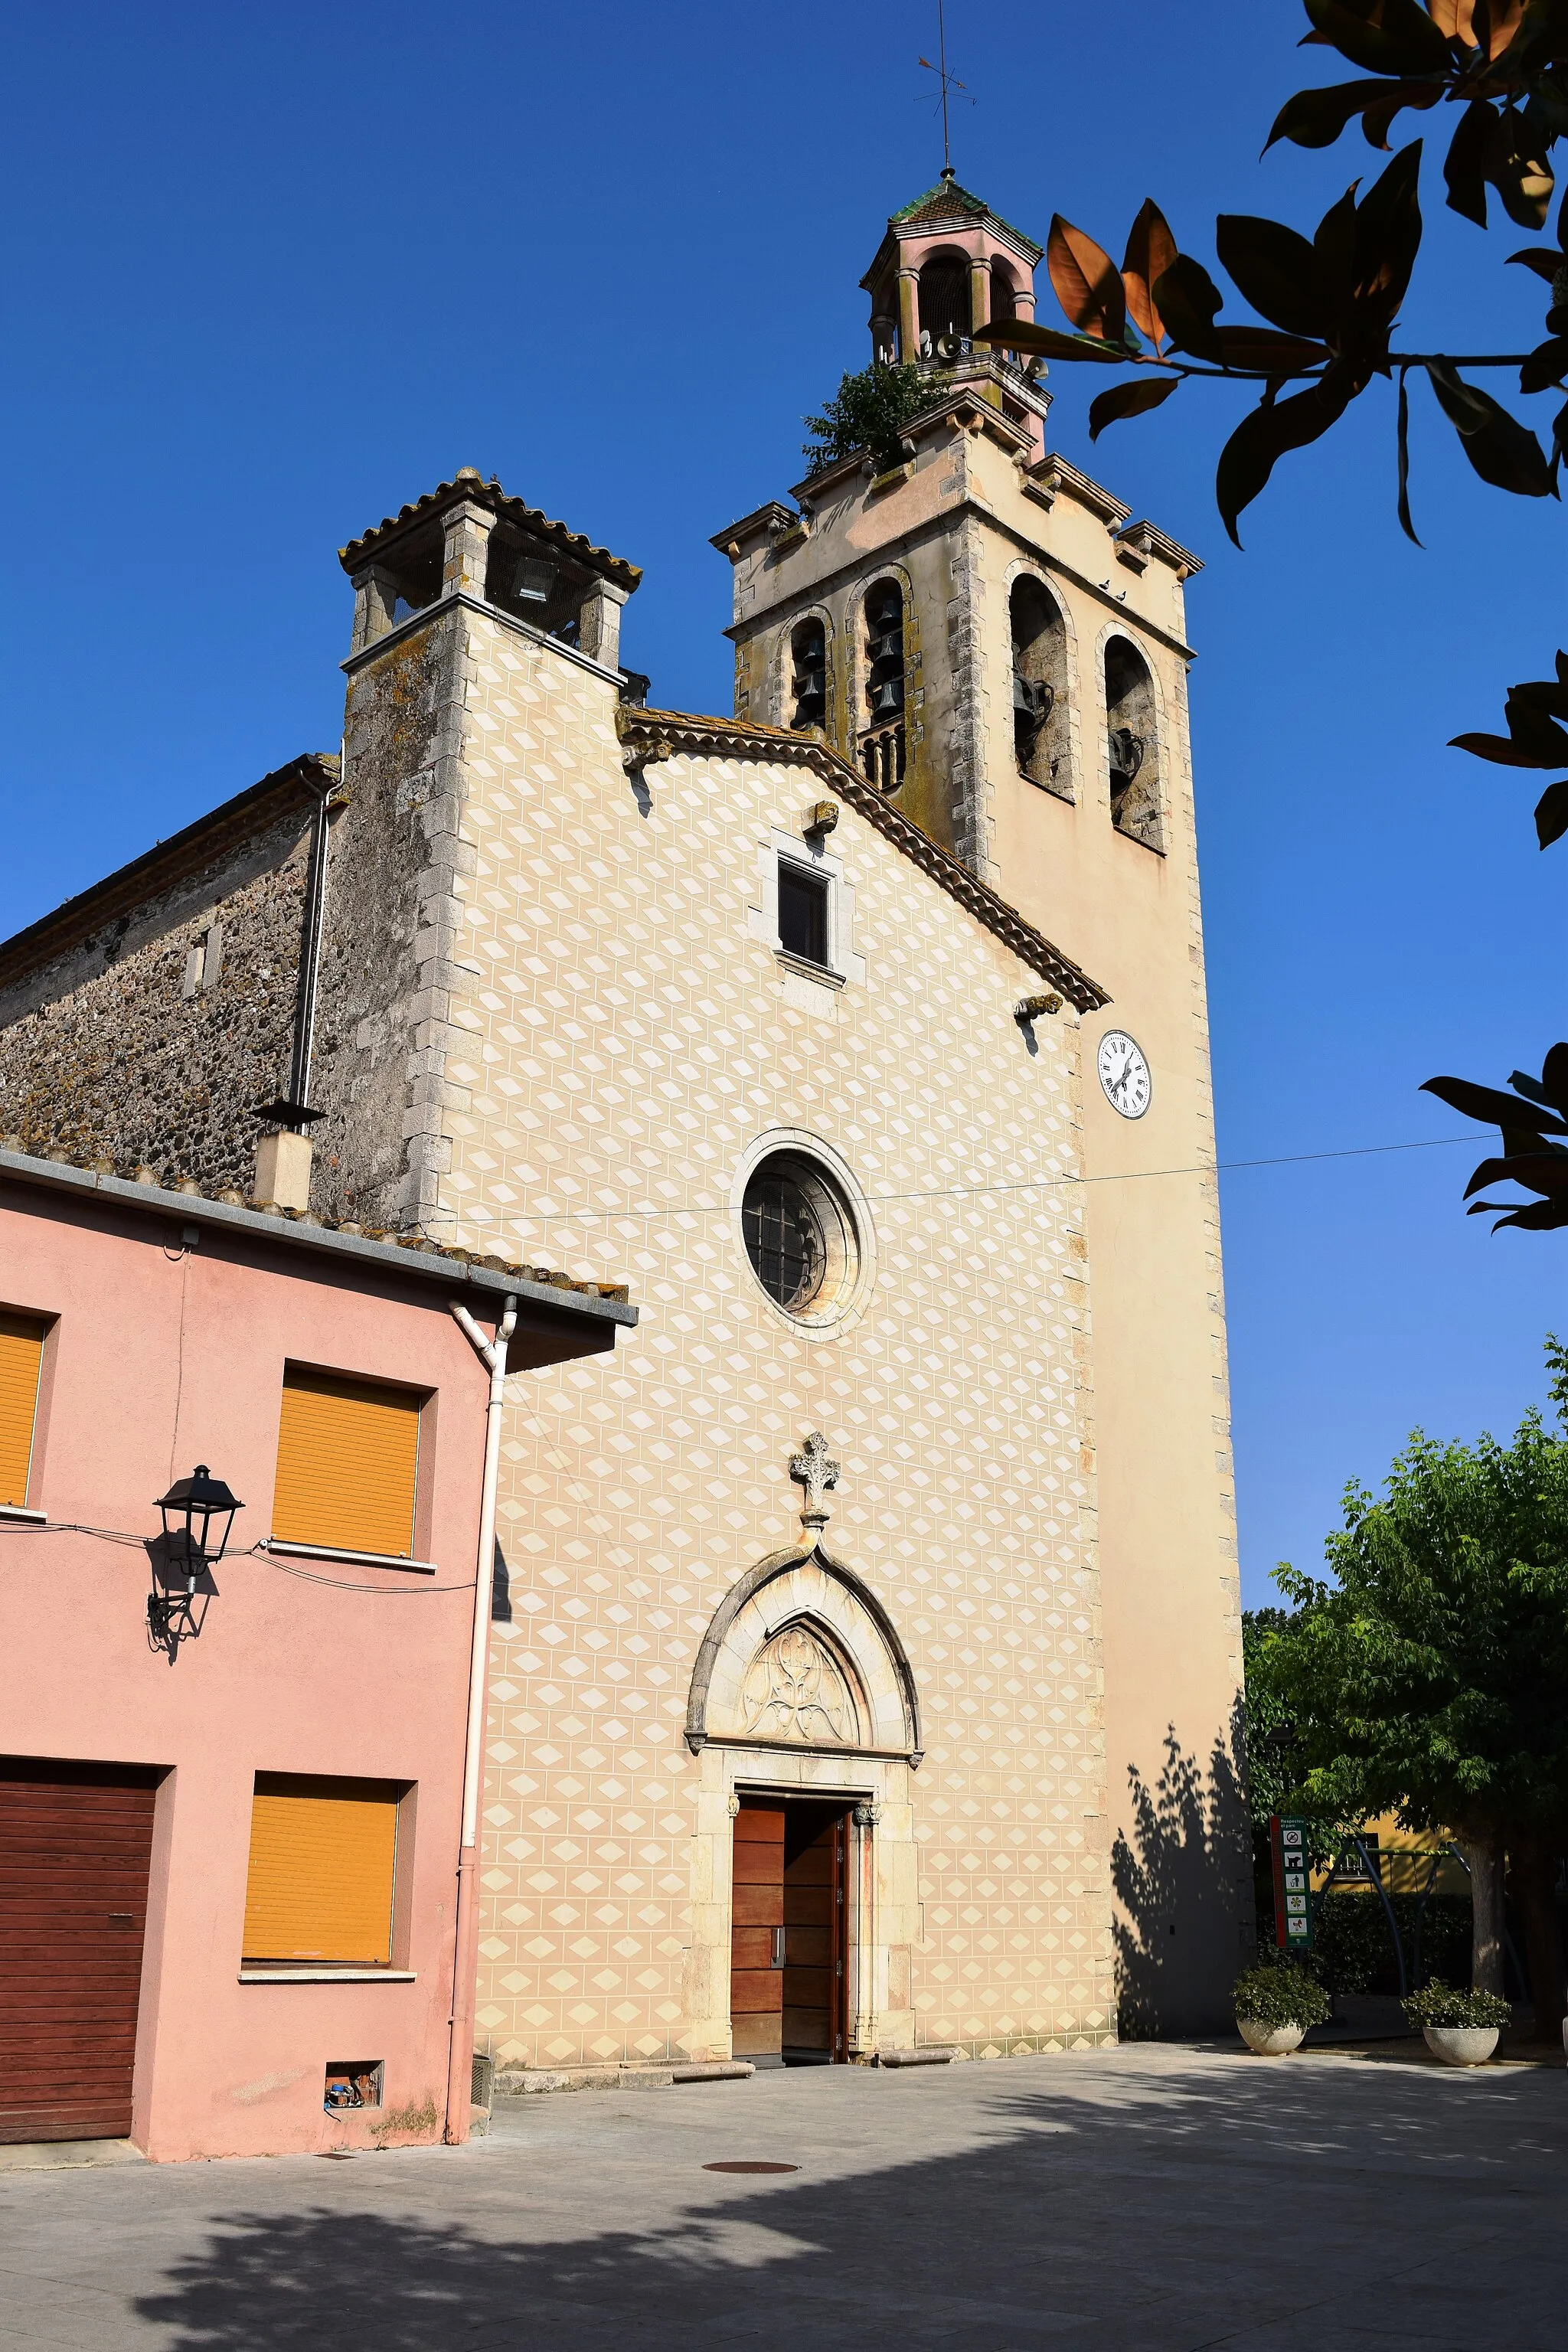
<point>1141,2199</point>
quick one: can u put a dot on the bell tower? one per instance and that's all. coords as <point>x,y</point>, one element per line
<point>984,632</point>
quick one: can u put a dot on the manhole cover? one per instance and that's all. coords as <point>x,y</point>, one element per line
<point>746,2164</point>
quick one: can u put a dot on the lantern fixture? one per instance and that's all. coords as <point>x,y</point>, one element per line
<point>197,1514</point>
<point>189,1508</point>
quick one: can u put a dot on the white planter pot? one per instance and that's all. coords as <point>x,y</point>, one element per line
<point>1270,2041</point>
<point>1460,2045</point>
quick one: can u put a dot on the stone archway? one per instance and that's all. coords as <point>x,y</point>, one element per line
<point>801,1689</point>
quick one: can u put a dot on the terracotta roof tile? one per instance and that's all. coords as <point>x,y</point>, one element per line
<point>466,484</point>
<point>185,1188</point>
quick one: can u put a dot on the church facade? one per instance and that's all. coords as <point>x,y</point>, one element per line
<point>867,1646</point>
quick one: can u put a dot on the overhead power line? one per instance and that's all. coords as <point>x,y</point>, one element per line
<point>1026,1183</point>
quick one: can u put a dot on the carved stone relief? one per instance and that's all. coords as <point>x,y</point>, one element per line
<point>795,1689</point>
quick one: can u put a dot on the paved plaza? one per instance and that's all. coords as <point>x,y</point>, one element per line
<point>1143,2199</point>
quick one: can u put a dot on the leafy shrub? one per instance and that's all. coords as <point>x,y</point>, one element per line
<point>1441,2004</point>
<point>1281,1996</point>
<point>870,411</point>
<point>1352,1951</point>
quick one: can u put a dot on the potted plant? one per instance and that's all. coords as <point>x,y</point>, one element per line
<point>1460,2028</point>
<point>1274,2007</point>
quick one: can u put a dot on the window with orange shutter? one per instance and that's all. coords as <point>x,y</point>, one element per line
<point>21,1362</point>
<point>348,1464</point>
<point>323,1861</point>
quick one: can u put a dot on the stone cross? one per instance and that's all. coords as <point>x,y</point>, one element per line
<point>818,1475</point>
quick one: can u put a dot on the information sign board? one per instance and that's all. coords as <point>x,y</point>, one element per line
<point>1293,1893</point>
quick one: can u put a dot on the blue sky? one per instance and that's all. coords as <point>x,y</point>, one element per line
<point>270,273</point>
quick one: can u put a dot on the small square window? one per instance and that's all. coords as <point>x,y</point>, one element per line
<point>356,2083</point>
<point>803,914</point>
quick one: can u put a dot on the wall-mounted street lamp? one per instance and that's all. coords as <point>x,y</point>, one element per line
<point>197,1514</point>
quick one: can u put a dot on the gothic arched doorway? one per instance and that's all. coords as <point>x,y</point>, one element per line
<point>803,1711</point>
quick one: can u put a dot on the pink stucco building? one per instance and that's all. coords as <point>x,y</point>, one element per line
<point>232,1822</point>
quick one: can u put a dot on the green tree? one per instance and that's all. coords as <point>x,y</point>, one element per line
<point>1430,1677</point>
<point>870,411</point>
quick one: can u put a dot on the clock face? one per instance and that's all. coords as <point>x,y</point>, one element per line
<point>1124,1074</point>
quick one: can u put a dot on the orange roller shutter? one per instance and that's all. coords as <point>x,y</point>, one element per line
<point>348,1457</point>
<point>322,1855</point>
<point>21,1358</point>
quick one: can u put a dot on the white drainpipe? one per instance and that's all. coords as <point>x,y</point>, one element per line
<point>464,1957</point>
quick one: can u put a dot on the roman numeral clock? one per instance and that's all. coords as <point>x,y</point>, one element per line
<point>1124,1074</point>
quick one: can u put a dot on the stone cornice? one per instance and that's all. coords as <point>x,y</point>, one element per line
<point>655,734</point>
<point>459,599</point>
<point>1148,541</point>
<point>811,591</point>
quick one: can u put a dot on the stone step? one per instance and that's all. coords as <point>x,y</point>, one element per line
<point>527,2082</point>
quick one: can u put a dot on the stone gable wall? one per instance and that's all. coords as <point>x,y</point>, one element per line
<point>103,1054</point>
<point>626,1038</point>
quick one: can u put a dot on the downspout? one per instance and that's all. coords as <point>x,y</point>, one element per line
<point>311,928</point>
<point>465,1952</point>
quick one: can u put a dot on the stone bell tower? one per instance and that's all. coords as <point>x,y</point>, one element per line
<point>984,632</point>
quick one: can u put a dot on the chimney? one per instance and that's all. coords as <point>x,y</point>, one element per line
<point>283,1171</point>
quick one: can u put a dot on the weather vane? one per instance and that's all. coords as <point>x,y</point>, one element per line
<point>946,81</point>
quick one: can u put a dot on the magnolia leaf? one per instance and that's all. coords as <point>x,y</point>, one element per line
<point>1378,121</point>
<point>1151,249</point>
<point>1250,456</point>
<point>1545,259</point>
<point>1128,400</point>
<point>1452,18</point>
<point>1518,170</point>
<point>1086,281</point>
<point>1503,19</point>
<point>1315,118</point>
<point>1186,298</point>
<point>1024,335</point>
<point>1533,1216</point>
<point>1402,447</point>
<point>1490,1105</point>
<point>1397,38</point>
<point>1503,452</point>
<point>1551,813</point>
<point>1388,236</point>
<point>1334,247</point>
<point>1504,751</point>
<point>1547,364</point>
<point>1276,269</point>
<point>1534,34</point>
<point>1554,1075</point>
<point>1270,354</point>
<point>1537,694</point>
<point>1465,169</point>
<point>1533,1091</point>
<point>1533,739</point>
<point>1538,1172</point>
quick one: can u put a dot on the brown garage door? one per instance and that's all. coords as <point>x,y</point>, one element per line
<point>76,1841</point>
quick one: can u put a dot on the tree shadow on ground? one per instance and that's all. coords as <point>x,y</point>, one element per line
<point>1085,2216</point>
<point>1182,1874</point>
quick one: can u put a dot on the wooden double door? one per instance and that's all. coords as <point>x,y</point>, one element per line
<point>75,1845</point>
<point>788,1936</point>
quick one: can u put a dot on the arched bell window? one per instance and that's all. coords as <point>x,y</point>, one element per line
<point>808,674</point>
<point>1132,743</point>
<point>1040,687</point>
<point>882,737</point>
<point>944,307</point>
